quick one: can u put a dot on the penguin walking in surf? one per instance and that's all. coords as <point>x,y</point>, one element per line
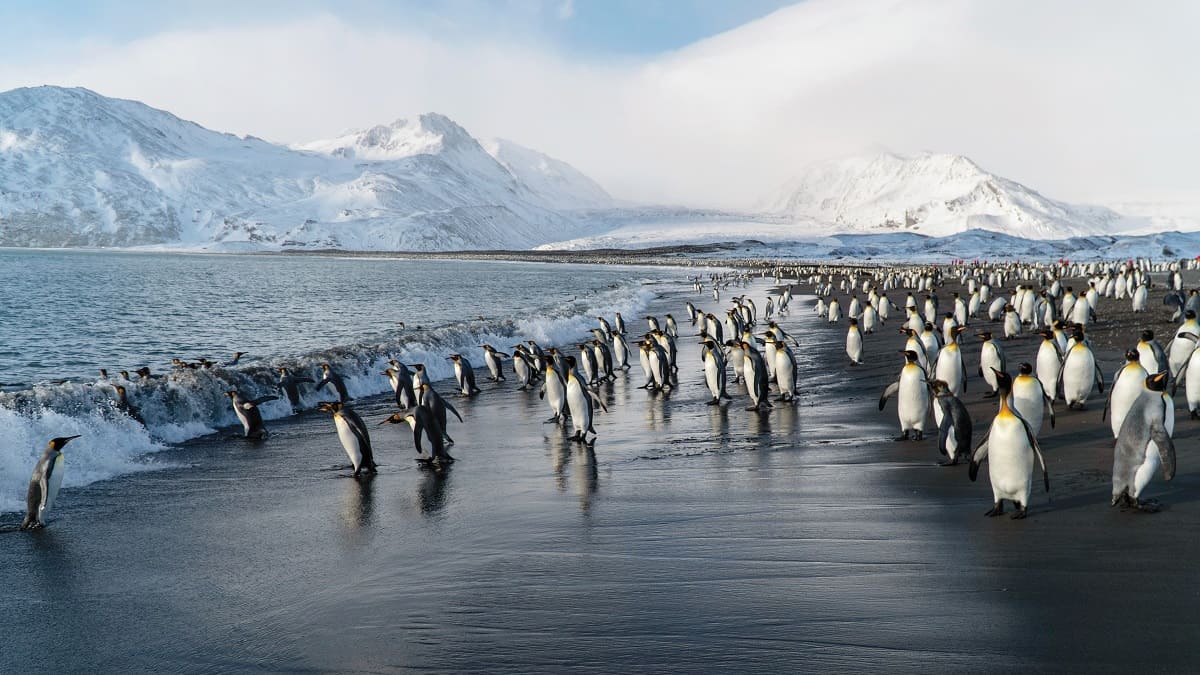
<point>44,483</point>
<point>329,377</point>
<point>289,384</point>
<point>1010,448</point>
<point>400,377</point>
<point>124,406</point>
<point>492,359</point>
<point>352,432</point>
<point>248,414</point>
<point>1144,444</point>
<point>464,374</point>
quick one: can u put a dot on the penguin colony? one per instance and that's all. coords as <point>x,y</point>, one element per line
<point>1008,301</point>
<point>747,344</point>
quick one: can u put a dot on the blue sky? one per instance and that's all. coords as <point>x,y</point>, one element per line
<point>596,29</point>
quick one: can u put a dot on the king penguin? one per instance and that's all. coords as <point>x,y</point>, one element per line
<point>1143,444</point>
<point>248,414</point>
<point>912,397</point>
<point>1010,448</point>
<point>954,429</point>
<point>352,432</point>
<point>44,484</point>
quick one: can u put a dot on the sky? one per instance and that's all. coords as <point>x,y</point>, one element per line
<point>698,102</point>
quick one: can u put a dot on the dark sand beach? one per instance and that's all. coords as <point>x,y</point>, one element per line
<point>691,539</point>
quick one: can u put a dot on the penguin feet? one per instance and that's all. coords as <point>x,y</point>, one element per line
<point>1195,414</point>
<point>901,437</point>
<point>449,441</point>
<point>949,462</point>
<point>1147,505</point>
<point>1022,511</point>
<point>991,394</point>
<point>996,510</point>
<point>715,401</point>
<point>920,435</point>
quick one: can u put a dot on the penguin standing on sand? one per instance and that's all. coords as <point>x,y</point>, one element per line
<point>1126,388</point>
<point>464,373</point>
<point>424,425</point>
<point>1144,444</point>
<point>991,359</point>
<point>523,366</point>
<point>754,369</point>
<point>248,414</point>
<point>714,371</point>
<point>1151,354</point>
<point>954,429</point>
<point>1010,448</point>
<point>580,401</point>
<point>352,432</point>
<point>554,389</point>
<point>1049,363</point>
<point>290,385</point>
<point>1030,400</point>
<point>1080,373</point>
<point>854,345</point>
<point>785,371</point>
<point>331,378</point>
<point>912,397</point>
<point>44,483</point>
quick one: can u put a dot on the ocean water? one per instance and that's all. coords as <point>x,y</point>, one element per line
<point>66,314</point>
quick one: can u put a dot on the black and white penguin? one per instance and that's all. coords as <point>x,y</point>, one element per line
<point>124,406</point>
<point>1144,444</point>
<point>955,428</point>
<point>331,378</point>
<point>247,412</point>
<point>44,483</point>
<point>424,424</point>
<point>912,397</point>
<point>1010,448</point>
<point>289,384</point>
<point>352,432</point>
<point>464,374</point>
<point>491,358</point>
<point>439,408</point>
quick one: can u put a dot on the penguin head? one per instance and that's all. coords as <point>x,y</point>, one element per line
<point>330,406</point>
<point>939,386</point>
<point>1046,334</point>
<point>1157,381</point>
<point>454,357</point>
<point>121,391</point>
<point>1077,333</point>
<point>395,418</point>
<point>1190,314</point>
<point>58,443</point>
<point>325,367</point>
<point>283,371</point>
<point>985,335</point>
<point>909,355</point>
<point>1003,380</point>
<point>1147,335</point>
<point>853,322</point>
<point>1025,369</point>
<point>231,394</point>
<point>1132,356</point>
<point>570,361</point>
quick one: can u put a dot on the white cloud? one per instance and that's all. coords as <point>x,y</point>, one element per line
<point>566,10</point>
<point>1079,104</point>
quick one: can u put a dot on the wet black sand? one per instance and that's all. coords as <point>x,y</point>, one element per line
<point>693,539</point>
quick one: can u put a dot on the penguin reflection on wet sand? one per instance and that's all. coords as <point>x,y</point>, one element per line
<point>44,484</point>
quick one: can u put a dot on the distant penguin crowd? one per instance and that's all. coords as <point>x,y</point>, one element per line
<point>746,346</point>
<point>1019,299</point>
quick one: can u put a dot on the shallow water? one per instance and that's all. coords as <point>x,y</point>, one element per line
<point>69,313</point>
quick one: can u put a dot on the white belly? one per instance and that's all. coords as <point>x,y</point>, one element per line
<point>349,441</point>
<point>1010,460</point>
<point>52,486</point>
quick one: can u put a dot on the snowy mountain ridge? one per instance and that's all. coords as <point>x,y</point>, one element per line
<point>81,169</point>
<point>932,194</point>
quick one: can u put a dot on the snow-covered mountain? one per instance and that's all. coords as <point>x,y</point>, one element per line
<point>81,169</point>
<point>931,194</point>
